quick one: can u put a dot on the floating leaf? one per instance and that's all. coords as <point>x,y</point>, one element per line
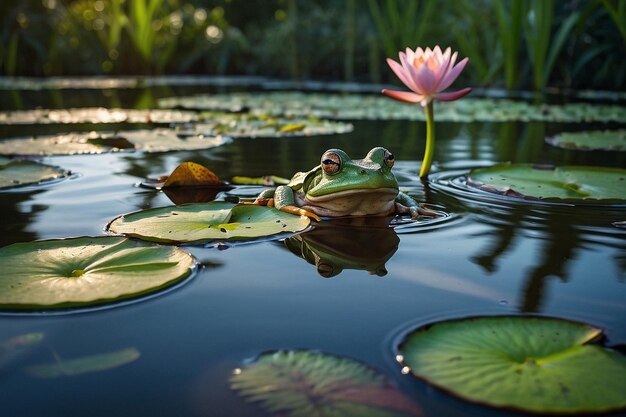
<point>303,383</point>
<point>262,125</point>
<point>609,140</point>
<point>86,271</point>
<point>83,365</point>
<point>154,140</point>
<point>192,174</point>
<point>535,364</point>
<point>567,183</point>
<point>374,107</point>
<point>206,222</point>
<point>95,115</point>
<point>18,173</point>
<point>267,180</point>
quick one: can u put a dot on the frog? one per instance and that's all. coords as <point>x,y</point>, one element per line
<point>340,186</point>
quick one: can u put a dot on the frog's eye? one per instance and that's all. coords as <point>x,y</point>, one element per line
<point>331,163</point>
<point>389,158</point>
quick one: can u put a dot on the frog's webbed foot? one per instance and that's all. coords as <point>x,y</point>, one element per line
<point>300,212</point>
<point>418,211</point>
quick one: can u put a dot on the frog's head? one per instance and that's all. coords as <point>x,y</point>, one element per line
<point>342,176</point>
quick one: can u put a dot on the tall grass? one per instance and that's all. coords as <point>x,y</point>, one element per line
<point>510,32</point>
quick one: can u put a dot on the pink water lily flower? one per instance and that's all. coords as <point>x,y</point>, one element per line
<point>427,73</point>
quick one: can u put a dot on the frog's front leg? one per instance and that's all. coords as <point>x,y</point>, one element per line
<point>405,204</point>
<point>284,200</point>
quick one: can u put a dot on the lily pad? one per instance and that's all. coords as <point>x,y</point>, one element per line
<point>376,106</point>
<point>95,115</point>
<point>86,271</point>
<point>19,173</point>
<point>303,383</point>
<point>608,140</point>
<point>549,183</point>
<point>252,125</point>
<point>153,140</point>
<point>207,222</point>
<point>83,365</point>
<point>534,364</point>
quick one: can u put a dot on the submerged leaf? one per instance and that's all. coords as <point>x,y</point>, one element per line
<point>305,383</point>
<point>207,222</point>
<point>532,364</point>
<point>608,140</point>
<point>567,183</point>
<point>86,271</point>
<point>83,365</point>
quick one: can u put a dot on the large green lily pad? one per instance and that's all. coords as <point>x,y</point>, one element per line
<point>534,364</point>
<point>95,115</point>
<point>376,106</point>
<point>19,173</point>
<point>154,140</point>
<point>86,271</point>
<point>303,383</point>
<point>608,140</point>
<point>567,183</point>
<point>207,222</point>
<point>85,364</point>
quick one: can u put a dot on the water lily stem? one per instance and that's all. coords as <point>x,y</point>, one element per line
<point>430,141</point>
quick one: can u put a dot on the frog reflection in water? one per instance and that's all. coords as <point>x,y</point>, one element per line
<point>340,186</point>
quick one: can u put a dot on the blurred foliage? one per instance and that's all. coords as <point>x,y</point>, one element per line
<point>527,44</point>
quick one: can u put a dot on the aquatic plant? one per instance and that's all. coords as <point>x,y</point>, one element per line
<point>427,73</point>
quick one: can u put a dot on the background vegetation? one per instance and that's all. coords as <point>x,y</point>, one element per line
<point>516,44</point>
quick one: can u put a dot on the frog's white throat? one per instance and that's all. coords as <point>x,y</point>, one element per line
<point>353,202</point>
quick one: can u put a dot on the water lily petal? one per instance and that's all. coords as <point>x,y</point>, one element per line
<point>453,74</point>
<point>453,95</point>
<point>441,73</point>
<point>412,73</point>
<point>426,77</point>
<point>401,73</point>
<point>405,96</point>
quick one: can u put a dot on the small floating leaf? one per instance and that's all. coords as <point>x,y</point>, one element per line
<point>83,365</point>
<point>531,364</point>
<point>567,183</point>
<point>267,180</point>
<point>609,140</point>
<point>18,173</point>
<point>19,342</point>
<point>154,140</point>
<point>86,271</point>
<point>303,383</point>
<point>207,222</point>
<point>192,174</point>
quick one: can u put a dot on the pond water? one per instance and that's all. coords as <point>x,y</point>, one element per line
<point>489,257</point>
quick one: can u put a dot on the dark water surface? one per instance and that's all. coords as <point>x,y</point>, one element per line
<point>489,257</point>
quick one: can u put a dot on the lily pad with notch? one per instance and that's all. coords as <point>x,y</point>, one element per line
<point>531,364</point>
<point>86,271</point>
<point>19,173</point>
<point>153,140</point>
<point>571,184</point>
<point>607,140</point>
<point>308,383</point>
<point>199,223</point>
